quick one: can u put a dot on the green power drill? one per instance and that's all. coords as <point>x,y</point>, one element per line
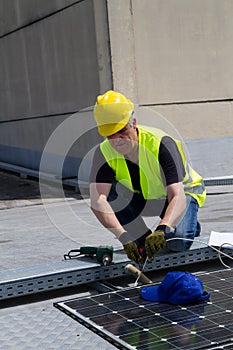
<point>104,254</point>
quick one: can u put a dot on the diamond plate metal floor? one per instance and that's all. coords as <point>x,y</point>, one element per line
<point>41,327</point>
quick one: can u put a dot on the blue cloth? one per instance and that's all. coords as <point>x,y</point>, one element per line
<point>178,288</point>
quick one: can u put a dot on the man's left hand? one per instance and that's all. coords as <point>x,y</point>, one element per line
<point>156,241</point>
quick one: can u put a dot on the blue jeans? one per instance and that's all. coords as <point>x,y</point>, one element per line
<point>188,227</point>
<point>130,208</point>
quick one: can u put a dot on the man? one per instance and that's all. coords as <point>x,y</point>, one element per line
<point>139,171</point>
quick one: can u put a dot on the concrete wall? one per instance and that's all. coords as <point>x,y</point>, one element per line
<point>178,58</point>
<point>53,62</point>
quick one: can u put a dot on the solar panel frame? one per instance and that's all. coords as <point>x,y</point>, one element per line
<point>123,318</point>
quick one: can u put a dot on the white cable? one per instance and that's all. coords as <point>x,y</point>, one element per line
<point>208,245</point>
<point>219,255</point>
<point>142,270</point>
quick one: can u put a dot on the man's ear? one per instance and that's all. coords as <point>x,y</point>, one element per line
<point>134,122</point>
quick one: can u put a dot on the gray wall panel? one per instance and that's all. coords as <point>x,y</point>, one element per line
<point>176,55</point>
<point>191,120</point>
<point>122,45</point>
<point>200,120</point>
<point>18,13</point>
<point>29,133</point>
<point>15,89</point>
<point>183,50</point>
<point>51,66</point>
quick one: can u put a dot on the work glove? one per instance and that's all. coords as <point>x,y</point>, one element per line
<point>134,249</point>
<point>156,241</point>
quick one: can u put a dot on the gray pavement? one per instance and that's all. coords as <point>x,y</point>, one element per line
<point>33,231</point>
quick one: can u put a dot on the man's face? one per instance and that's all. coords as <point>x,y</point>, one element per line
<point>125,141</point>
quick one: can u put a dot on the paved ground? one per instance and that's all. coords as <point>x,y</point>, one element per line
<point>33,231</point>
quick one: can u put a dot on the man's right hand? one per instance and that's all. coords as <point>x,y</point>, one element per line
<point>130,247</point>
<point>132,252</point>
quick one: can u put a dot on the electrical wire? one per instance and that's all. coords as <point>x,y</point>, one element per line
<point>220,258</point>
<point>210,246</point>
<point>142,270</point>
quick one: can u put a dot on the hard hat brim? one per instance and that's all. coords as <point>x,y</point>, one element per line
<point>111,129</point>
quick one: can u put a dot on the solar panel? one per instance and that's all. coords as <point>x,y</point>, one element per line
<point>127,321</point>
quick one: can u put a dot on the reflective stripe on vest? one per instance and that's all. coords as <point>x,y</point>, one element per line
<point>150,173</point>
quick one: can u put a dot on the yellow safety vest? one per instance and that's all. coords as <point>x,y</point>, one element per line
<point>149,168</point>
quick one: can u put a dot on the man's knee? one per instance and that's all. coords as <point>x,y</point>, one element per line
<point>181,240</point>
<point>179,244</point>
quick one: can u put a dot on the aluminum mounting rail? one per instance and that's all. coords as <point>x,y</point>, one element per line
<point>62,274</point>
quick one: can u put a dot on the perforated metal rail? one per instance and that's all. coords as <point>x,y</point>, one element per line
<point>63,274</point>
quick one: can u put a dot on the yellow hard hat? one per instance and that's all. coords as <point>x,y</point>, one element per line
<point>112,112</point>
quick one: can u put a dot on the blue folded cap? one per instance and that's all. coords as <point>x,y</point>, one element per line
<point>177,288</point>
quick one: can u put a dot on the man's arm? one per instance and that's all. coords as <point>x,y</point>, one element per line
<point>101,179</point>
<point>101,208</point>
<point>176,204</point>
<point>173,172</point>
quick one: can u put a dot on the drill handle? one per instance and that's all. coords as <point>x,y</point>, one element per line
<point>88,251</point>
<point>70,254</point>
